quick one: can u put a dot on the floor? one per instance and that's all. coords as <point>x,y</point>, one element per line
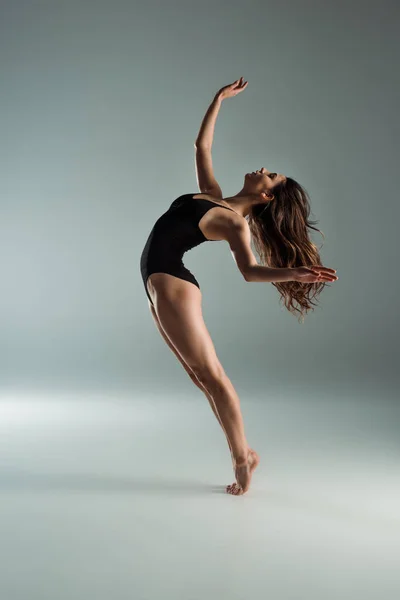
<point>121,496</point>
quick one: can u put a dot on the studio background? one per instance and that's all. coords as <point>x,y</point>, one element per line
<point>113,468</point>
<point>101,105</point>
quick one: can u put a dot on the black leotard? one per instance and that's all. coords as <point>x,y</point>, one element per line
<point>173,234</point>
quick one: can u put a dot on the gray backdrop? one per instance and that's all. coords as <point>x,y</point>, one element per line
<point>100,105</point>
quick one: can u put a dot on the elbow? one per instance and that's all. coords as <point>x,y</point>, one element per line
<point>248,272</point>
<point>246,276</point>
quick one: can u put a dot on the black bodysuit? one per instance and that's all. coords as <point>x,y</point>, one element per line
<point>173,234</point>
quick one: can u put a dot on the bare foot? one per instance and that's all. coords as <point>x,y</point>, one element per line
<point>243,474</point>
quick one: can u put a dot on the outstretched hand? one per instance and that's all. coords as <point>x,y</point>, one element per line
<point>314,274</point>
<point>233,89</point>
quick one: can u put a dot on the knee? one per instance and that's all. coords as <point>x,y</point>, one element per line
<point>195,378</point>
<point>211,378</point>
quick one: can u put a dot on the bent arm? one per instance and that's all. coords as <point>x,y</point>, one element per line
<point>238,236</point>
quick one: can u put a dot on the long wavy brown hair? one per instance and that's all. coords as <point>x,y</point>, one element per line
<point>281,236</point>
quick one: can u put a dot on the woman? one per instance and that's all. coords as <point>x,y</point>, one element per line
<point>271,209</point>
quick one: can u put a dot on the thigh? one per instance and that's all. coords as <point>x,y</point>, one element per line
<point>170,285</point>
<point>181,318</point>
<point>169,343</point>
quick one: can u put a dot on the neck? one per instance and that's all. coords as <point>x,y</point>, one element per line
<point>242,202</point>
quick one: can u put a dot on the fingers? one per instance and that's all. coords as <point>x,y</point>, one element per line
<point>232,89</point>
<point>324,268</point>
<point>239,83</point>
<point>320,270</point>
<point>320,274</point>
<point>319,277</point>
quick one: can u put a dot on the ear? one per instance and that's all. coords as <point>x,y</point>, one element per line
<point>267,196</point>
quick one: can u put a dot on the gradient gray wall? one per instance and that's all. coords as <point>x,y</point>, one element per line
<point>100,105</point>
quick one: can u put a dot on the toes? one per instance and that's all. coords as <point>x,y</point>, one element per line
<point>234,489</point>
<point>231,488</point>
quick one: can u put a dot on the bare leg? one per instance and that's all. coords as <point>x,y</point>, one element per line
<point>253,459</point>
<point>227,406</point>
<point>181,323</point>
<point>212,404</point>
<point>189,372</point>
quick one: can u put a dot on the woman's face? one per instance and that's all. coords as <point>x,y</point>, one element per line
<point>263,180</point>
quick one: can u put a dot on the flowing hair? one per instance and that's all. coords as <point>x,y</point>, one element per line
<point>280,234</point>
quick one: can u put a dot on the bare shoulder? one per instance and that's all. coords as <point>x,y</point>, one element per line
<point>218,223</point>
<point>211,197</point>
<point>232,214</point>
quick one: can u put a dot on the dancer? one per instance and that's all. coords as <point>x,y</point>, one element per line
<point>272,210</point>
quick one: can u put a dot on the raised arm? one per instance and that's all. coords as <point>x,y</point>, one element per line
<point>206,133</point>
<point>204,168</point>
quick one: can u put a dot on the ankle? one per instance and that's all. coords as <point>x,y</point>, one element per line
<point>241,459</point>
